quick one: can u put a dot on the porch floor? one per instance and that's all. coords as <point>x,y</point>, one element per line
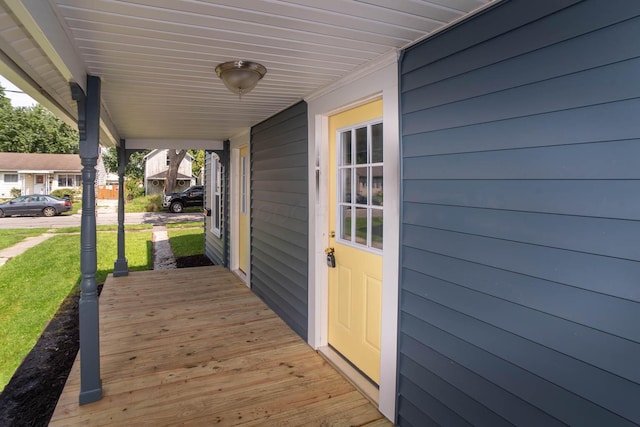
<point>196,347</point>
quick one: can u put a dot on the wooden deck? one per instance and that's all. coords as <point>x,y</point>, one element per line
<point>197,347</point>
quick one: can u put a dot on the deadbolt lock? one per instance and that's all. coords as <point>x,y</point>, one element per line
<point>331,258</point>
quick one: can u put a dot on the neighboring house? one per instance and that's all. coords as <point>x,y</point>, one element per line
<point>155,172</point>
<point>34,173</point>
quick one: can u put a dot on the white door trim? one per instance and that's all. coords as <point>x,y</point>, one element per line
<point>383,81</point>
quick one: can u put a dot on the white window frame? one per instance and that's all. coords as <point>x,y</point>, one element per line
<point>68,178</point>
<point>353,203</point>
<point>17,179</point>
<point>216,195</point>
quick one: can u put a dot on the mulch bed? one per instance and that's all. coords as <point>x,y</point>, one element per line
<point>31,396</point>
<point>193,261</point>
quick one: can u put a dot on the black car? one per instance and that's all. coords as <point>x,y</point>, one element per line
<point>35,204</point>
<point>192,196</point>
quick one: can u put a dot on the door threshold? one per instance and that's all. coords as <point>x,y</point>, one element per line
<point>355,377</point>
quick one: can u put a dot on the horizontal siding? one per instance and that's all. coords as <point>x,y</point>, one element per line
<point>546,48</point>
<point>613,121</point>
<point>565,197</point>
<point>519,262</point>
<point>279,215</point>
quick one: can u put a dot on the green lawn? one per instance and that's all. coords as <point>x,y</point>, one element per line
<point>33,285</point>
<point>112,227</point>
<point>145,204</point>
<point>13,236</point>
<point>187,241</point>
<point>185,224</point>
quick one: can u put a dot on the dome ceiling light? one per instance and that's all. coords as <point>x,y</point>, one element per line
<point>240,77</point>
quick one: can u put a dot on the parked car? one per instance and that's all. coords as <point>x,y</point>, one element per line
<point>192,196</point>
<point>35,204</point>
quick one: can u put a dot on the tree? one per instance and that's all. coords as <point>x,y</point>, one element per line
<point>135,166</point>
<point>34,130</point>
<point>5,103</point>
<point>198,161</point>
<point>175,158</point>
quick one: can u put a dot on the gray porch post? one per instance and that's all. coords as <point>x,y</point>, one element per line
<point>121,265</point>
<point>89,127</point>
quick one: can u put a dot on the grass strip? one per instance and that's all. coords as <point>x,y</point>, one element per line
<point>186,242</point>
<point>190,224</point>
<point>113,227</point>
<point>33,285</point>
<point>12,236</point>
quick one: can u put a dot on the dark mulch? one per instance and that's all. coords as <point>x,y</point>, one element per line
<point>193,261</point>
<point>31,396</point>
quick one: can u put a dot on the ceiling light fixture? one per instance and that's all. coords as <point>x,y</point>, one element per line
<point>240,77</point>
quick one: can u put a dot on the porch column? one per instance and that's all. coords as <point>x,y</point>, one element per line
<point>89,127</point>
<point>121,265</point>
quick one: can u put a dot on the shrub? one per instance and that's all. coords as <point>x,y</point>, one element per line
<point>73,193</point>
<point>15,192</point>
<point>133,189</point>
<point>145,204</point>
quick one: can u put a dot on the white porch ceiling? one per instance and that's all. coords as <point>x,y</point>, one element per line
<point>156,58</point>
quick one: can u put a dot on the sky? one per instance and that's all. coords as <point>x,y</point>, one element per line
<point>17,99</point>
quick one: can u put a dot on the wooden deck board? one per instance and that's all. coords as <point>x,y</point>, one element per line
<point>196,347</point>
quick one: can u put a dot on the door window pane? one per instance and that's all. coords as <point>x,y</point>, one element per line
<point>346,185</point>
<point>362,187</point>
<point>376,143</point>
<point>346,148</point>
<point>361,146</point>
<point>345,222</point>
<point>376,228</point>
<point>361,226</point>
<point>376,185</point>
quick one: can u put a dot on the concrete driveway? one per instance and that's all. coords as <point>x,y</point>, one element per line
<point>106,214</point>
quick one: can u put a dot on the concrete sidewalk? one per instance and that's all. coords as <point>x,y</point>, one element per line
<point>17,249</point>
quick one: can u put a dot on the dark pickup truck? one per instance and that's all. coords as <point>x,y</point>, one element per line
<point>192,196</point>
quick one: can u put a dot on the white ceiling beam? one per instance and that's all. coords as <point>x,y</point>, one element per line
<point>108,128</point>
<point>16,75</point>
<point>39,19</point>
<point>42,23</point>
<point>193,144</point>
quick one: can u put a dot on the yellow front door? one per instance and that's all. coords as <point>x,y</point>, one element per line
<point>355,220</point>
<point>243,208</point>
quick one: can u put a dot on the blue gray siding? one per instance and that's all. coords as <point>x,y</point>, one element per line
<point>520,295</point>
<point>279,214</point>
<point>217,248</point>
